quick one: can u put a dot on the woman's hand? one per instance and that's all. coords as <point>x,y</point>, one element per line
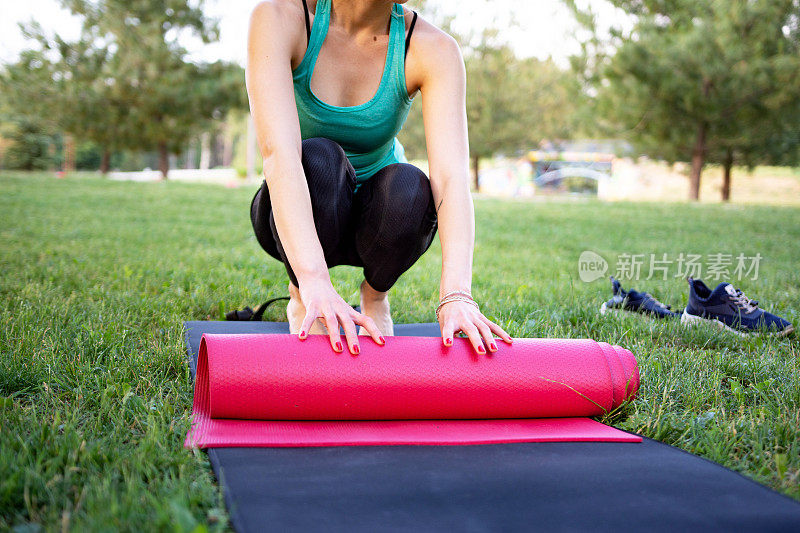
<point>462,316</point>
<point>322,301</point>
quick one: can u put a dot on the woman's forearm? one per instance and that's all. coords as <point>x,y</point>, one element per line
<point>294,219</point>
<point>457,235</point>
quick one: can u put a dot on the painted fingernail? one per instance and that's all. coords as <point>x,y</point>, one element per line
<point>356,350</point>
<point>481,349</point>
<point>448,342</point>
<point>338,346</point>
<point>493,347</point>
<point>302,335</point>
<point>383,341</point>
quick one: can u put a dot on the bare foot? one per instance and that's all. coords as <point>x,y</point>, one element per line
<point>375,305</point>
<point>296,312</point>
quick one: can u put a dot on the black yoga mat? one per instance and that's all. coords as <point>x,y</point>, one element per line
<point>572,486</point>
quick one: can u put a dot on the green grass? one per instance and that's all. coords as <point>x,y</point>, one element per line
<point>96,279</point>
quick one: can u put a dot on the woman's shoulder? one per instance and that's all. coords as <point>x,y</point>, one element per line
<point>430,42</point>
<point>281,6</point>
<point>432,54</point>
<point>279,21</point>
<point>286,14</point>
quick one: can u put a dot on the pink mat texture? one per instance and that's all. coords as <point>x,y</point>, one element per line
<point>276,390</point>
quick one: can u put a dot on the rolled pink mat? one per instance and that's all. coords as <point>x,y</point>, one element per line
<point>275,390</point>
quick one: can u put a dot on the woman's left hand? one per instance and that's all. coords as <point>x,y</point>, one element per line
<point>461,316</point>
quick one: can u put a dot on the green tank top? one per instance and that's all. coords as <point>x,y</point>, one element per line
<point>367,132</point>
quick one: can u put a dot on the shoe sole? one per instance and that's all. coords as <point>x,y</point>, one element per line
<point>606,310</point>
<point>688,319</point>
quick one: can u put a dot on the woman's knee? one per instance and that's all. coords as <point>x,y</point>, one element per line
<point>326,166</point>
<point>405,196</point>
<point>397,223</point>
<point>331,185</point>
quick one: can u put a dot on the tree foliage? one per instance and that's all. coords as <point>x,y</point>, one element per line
<point>515,104</point>
<point>126,82</point>
<point>512,103</point>
<point>700,81</point>
<point>25,133</point>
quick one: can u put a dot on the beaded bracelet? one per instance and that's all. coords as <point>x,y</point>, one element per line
<point>451,293</point>
<point>450,299</point>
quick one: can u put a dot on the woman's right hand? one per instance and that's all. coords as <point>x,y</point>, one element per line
<point>323,302</point>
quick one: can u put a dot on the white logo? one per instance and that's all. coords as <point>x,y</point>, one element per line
<point>591,266</point>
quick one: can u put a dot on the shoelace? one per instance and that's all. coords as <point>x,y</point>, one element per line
<point>743,302</point>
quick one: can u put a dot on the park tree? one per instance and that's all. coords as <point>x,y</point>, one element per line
<point>26,128</point>
<point>706,81</point>
<point>512,103</point>
<point>515,104</point>
<point>166,99</point>
<point>69,86</point>
<point>126,83</point>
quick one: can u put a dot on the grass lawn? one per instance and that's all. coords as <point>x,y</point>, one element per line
<point>97,277</point>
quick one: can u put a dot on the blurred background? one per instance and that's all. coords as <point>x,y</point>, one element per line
<point>667,100</point>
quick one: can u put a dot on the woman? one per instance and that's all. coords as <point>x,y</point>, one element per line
<point>330,84</point>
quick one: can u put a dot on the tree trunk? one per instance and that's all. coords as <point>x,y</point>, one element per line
<point>105,161</point>
<point>163,159</point>
<point>51,153</point>
<point>227,150</point>
<point>476,161</point>
<point>190,155</point>
<point>69,153</point>
<point>726,176</point>
<point>252,148</point>
<point>698,160</point>
<point>205,151</point>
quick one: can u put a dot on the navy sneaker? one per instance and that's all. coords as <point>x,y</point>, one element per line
<point>636,302</point>
<point>728,307</point>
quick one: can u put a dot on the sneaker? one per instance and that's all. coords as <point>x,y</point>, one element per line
<point>636,302</point>
<point>728,307</point>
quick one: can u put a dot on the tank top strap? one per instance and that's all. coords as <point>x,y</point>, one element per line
<point>397,43</point>
<point>319,29</point>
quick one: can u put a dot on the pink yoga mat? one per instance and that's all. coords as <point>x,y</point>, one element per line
<point>275,390</point>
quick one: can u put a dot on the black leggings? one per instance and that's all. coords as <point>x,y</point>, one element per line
<point>384,227</point>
